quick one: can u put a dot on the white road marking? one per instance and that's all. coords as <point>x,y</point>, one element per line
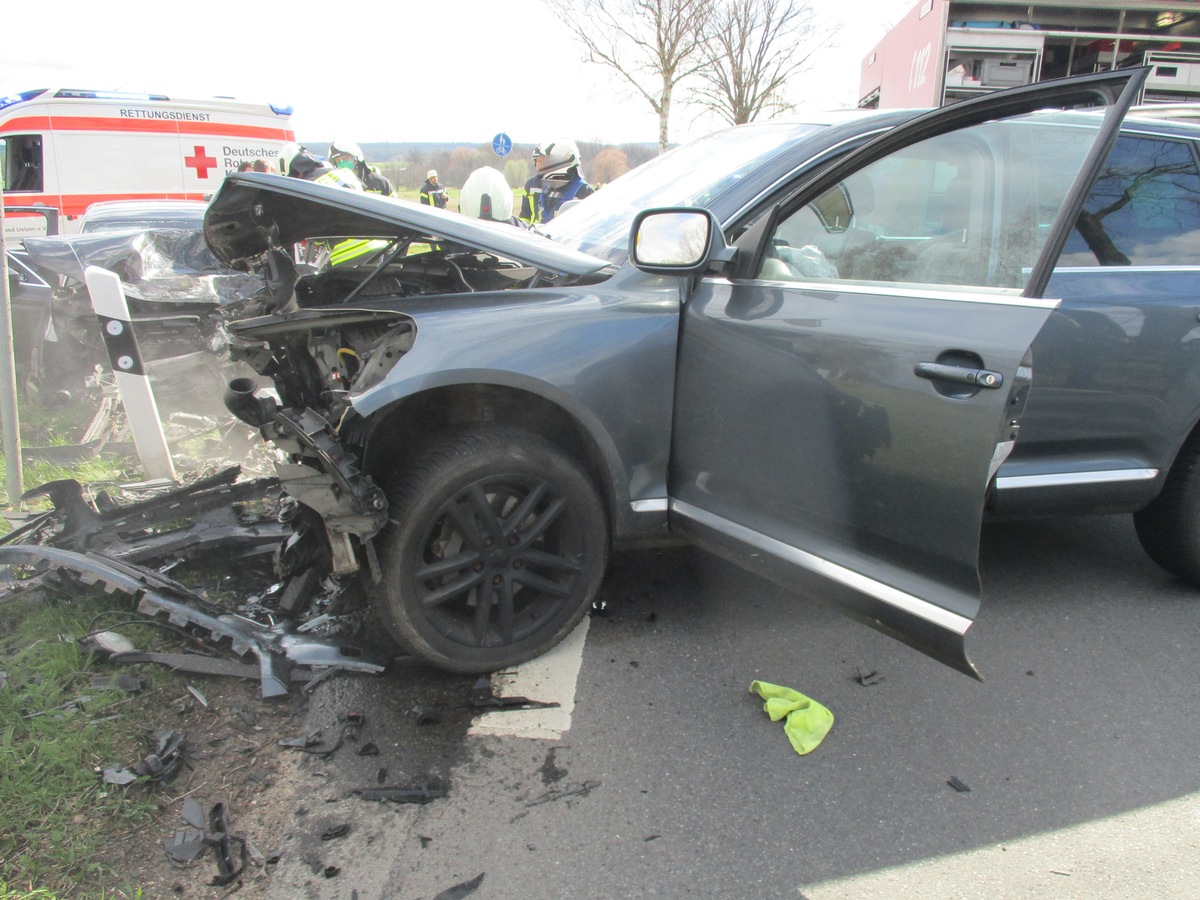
<point>549,679</point>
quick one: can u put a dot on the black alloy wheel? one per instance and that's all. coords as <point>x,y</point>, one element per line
<point>496,544</point>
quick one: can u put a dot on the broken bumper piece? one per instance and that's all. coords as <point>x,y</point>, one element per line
<point>151,529</point>
<point>276,648</point>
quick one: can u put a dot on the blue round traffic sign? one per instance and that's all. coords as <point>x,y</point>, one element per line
<point>502,144</point>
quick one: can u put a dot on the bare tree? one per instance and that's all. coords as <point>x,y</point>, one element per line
<point>751,48</point>
<point>652,44</point>
<point>609,164</point>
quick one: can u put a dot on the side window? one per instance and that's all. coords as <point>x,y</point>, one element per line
<point>962,208</point>
<point>23,162</point>
<point>1143,210</point>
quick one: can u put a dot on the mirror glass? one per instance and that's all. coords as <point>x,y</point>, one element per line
<point>672,239</point>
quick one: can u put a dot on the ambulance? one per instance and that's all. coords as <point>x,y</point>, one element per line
<point>66,149</point>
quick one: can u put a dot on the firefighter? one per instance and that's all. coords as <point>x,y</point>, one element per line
<point>532,195</point>
<point>297,162</point>
<point>433,192</point>
<point>348,155</point>
<point>562,180</point>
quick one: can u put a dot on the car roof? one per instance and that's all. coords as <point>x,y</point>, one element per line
<point>1183,112</point>
<point>137,207</point>
<point>143,213</point>
<point>1143,119</point>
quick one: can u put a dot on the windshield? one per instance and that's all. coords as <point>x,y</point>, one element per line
<point>692,175</point>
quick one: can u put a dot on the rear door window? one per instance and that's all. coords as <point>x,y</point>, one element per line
<point>1143,210</point>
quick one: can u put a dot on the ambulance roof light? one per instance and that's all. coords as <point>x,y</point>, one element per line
<point>281,110</point>
<point>20,98</point>
<point>73,94</point>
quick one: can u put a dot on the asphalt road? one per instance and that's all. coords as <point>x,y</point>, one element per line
<point>1081,749</point>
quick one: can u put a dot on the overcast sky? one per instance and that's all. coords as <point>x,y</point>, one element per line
<point>455,70</point>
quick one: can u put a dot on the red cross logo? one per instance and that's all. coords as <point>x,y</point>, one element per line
<point>200,161</point>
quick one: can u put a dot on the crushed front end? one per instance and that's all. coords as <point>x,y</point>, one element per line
<point>314,359</point>
<point>344,276</point>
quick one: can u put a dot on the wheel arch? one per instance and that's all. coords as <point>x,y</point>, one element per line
<point>1186,439</point>
<point>401,431</point>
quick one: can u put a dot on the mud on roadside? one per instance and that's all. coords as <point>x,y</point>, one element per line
<point>301,811</point>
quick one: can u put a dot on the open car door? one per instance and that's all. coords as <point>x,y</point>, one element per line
<point>849,384</point>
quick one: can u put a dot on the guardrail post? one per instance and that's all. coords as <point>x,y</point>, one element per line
<point>133,383</point>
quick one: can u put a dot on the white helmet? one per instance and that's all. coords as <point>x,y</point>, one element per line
<point>296,161</point>
<point>287,153</point>
<point>339,150</point>
<point>557,158</point>
<point>486,195</point>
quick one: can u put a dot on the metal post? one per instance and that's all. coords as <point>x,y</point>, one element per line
<point>14,473</point>
<point>133,382</point>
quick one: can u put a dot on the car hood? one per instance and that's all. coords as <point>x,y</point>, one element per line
<point>253,212</point>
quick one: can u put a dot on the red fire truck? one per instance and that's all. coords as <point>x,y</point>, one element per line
<point>943,51</point>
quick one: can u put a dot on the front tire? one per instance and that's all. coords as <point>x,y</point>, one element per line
<point>496,544</point>
<point>1169,528</point>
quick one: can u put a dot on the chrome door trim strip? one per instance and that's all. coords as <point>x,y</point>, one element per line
<point>1123,270</point>
<point>655,504</point>
<point>1001,296</point>
<point>1064,479</point>
<point>909,603</point>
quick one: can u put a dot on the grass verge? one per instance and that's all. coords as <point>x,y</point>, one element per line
<point>59,819</point>
<point>56,729</point>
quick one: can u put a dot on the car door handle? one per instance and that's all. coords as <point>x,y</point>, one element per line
<point>959,375</point>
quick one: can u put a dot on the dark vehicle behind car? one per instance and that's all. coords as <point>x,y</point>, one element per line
<point>29,296</point>
<point>120,215</point>
<point>179,296</point>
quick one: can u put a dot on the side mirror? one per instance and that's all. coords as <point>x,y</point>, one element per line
<point>676,241</point>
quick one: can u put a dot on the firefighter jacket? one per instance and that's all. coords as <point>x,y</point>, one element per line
<point>433,194</point>
<point>531,200</point>
<point>555,193</point>
<point>373,182</point>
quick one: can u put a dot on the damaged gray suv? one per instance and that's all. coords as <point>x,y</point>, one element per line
<point>804,347</point>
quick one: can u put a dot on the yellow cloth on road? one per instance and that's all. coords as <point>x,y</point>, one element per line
<point>807,721</point>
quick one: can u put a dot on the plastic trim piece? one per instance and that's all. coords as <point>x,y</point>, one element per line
<point>1064,479</point>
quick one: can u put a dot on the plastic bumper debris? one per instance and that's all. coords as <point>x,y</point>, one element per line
<point>276,648</point>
